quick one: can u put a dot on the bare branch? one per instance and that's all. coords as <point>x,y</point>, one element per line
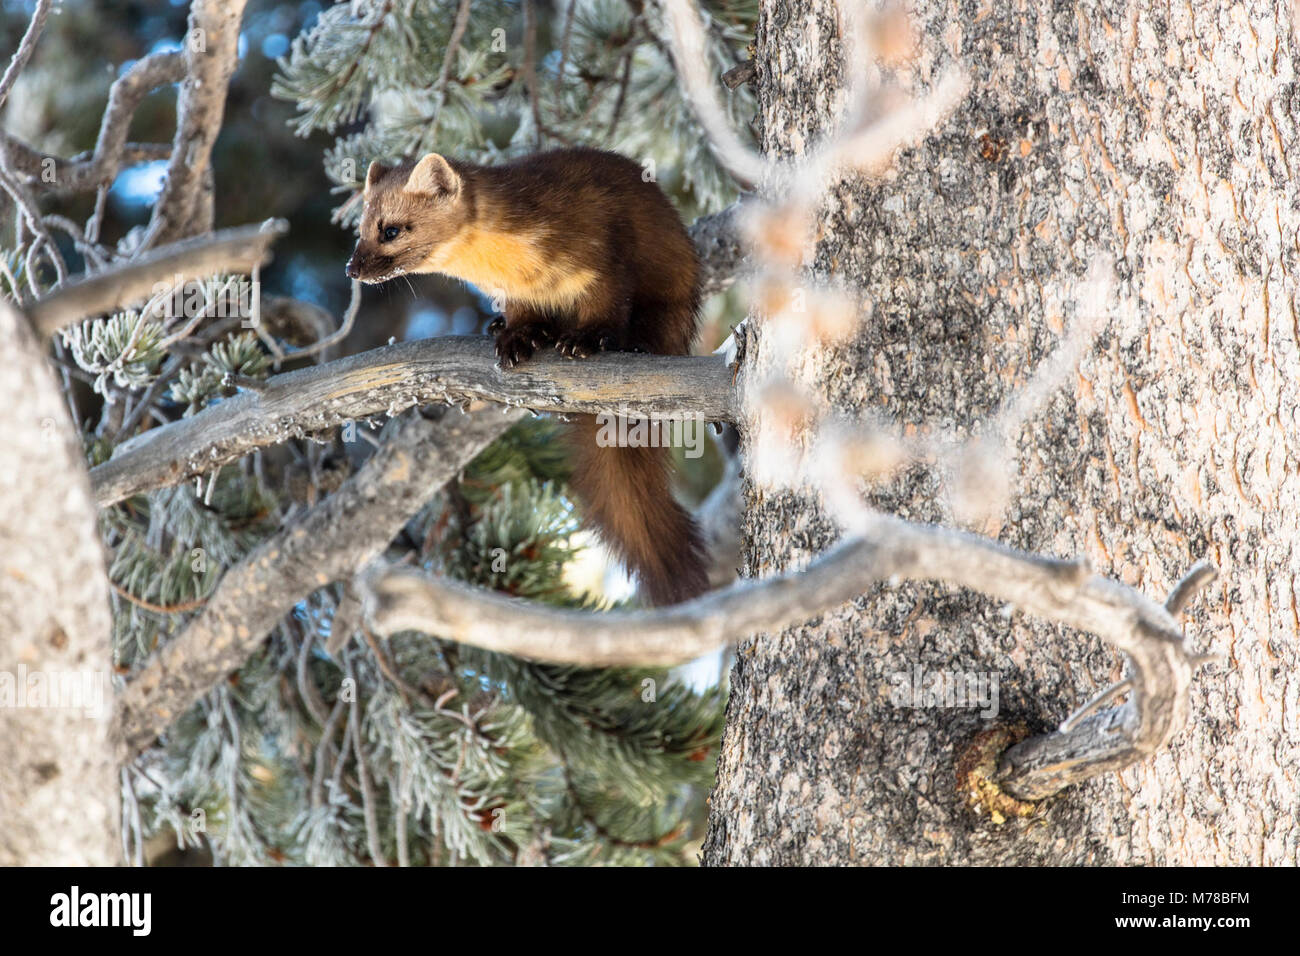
<point>328,543</point>
<point>1200,575</point>
<point>231,250</point>
<point>1062,591</point>
<point>25,48</point>
<point>691,59</point>
<point>1156,709</point>
<point>860,146</point>
<point>718,244</point>
<point>211,54</point>
<point>144,76</point>
<point>872,147</point>
<point>112,152</point>
<point>740,74</point>
<point>454,369</point>
<point>75,173</point>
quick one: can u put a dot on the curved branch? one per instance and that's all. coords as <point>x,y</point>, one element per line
<point>1156,709</point>
<point>76,173</point>
<point>1062,591</point>
<point>231,250</point>
<point>144,76</point>
<point>326,544</point>
<point>112,152</point>
<point>451,369</point>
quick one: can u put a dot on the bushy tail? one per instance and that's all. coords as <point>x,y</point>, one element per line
<point>627,498</point>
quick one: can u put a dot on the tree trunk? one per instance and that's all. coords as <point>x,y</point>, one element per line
<point>59,790</point>
<point>1165,139</point>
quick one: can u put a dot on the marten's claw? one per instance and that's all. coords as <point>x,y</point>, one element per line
<point>515,345</point>
<point>582,343</point>
<point>512,351</point>
<point>497,325</point>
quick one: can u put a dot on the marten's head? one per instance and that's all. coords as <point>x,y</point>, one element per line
<point>411,212</point>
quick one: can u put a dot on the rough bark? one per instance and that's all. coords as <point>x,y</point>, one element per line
<point>451,369</point>
<point>1164,138</point>
<point>58,773</point>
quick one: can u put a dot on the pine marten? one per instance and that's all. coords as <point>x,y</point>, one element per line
<point>588,257</point>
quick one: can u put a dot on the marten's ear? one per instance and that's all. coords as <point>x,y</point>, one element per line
<point>376,172</point>
<point>433,176</point>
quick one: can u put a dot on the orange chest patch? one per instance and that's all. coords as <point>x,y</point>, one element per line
<point>511,264</point>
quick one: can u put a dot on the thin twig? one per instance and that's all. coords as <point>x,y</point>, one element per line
<point>181,608</point>
<point>448,61</point>
<point>564,48</point>
<point>35,221</point>
<point>94,257</point>
<point>402,807</point>
<point>307,689</point>
<point>530,68</point>
<point>25,48</point>
<point>623,83</point>
<point>323,749</point>
<point>344,329</point>
<point>363,775</point>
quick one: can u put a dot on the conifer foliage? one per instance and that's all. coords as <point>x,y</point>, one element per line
<point>483,79</point>
<point>330,746</point>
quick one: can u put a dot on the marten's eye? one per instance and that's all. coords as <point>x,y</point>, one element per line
<point>391,233</point>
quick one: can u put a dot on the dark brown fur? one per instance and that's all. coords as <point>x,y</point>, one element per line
<point>587,257</point>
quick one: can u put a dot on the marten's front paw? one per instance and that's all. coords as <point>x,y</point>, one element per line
<point>588,340</point>
<point>518,343</point>
<point>497,325</point>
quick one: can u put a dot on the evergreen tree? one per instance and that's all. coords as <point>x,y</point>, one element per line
<point>415,749</point>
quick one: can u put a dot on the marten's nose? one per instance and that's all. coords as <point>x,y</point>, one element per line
<point>352,270</point>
